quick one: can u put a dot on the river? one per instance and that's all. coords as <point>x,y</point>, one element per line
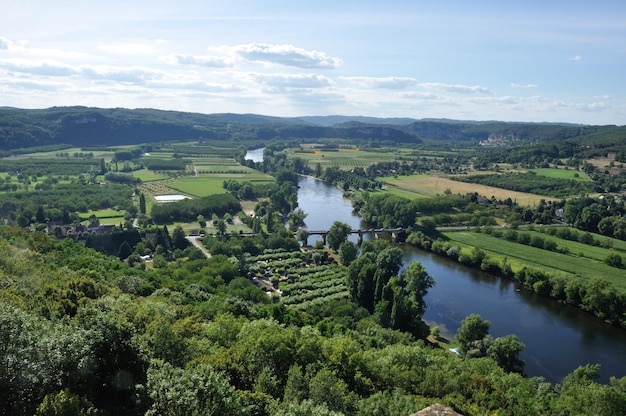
<point>558,338</point>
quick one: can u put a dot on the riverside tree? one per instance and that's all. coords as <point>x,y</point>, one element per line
<point>337,234</point>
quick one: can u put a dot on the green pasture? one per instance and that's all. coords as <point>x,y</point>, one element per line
<point>405,193</point>
<point>104,213</point>
<point>148,175</point>
<point>560,174</point>
<point>520,255</point>
<point>202,185</point>
<point>199,185</point>
<point>343,158</point>
<point>586,250</point>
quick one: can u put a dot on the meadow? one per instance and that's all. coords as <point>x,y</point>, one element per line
<point>429,186</point>
<point>519,255</point>
<point>560,174</point>
<point>344,159</point>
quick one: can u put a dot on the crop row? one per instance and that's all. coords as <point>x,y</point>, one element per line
<point>310,295</point>
<point>294,278</point>
<point>349,163</point>
<point>313,270</point>
<point>303,272</point>
<point>321,300</point>
<point>282,256</point>
<point>289,288</point>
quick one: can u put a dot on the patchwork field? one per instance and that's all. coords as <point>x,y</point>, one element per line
<point>428,186</point>
<point>343,158</point>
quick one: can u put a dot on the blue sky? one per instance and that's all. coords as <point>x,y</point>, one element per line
<point>550,60</point>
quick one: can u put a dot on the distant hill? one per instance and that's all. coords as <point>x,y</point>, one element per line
<point>89,127</point>
<point>86,127</point>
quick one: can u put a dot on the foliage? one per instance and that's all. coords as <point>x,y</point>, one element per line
<point>531,183</point>
<point>189,209</point>
<point>337,234</point>
<point>388,211</point>
<point>194,391</point>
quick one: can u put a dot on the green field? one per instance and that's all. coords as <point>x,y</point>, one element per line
<point>148,175</point>
<point>560,174</point>
<point>199,186</point>
<point>519,255</point>
<point>343,158</point>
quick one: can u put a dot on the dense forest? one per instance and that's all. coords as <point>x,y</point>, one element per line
<point>86,334</point>
<point>88,127</point>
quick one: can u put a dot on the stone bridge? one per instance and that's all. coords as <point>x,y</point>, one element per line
<point>397,234</point>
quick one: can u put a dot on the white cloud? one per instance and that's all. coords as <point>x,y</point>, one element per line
<point>287,55</point>
<point>5,43</point>
<point>516,85</point>
<point>280,82</point>
<point>43,69</point>
<point>576,58</point>
<point>382,82</point>
<point>207,61</point>
<point>124,75</point>
<point>422,96</point>
<point>456,88</point>
<point>196,86</point>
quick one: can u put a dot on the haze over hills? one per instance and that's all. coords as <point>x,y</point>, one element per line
<point>86,126</point>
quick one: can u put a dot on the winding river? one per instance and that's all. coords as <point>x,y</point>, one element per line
<point>558,338</point>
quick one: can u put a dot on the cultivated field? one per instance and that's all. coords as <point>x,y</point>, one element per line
<point>428,186</point>
<point>518,255</point>
<point>561,174</point>
<point>344,159</point>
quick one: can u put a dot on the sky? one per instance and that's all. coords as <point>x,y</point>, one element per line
<point>535,61</point>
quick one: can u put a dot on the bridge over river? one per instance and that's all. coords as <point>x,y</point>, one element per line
<point>397,234</point>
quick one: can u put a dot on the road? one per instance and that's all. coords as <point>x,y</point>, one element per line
<point>195,240</point>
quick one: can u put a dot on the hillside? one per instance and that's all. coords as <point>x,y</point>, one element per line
<point>88,127</point>
<point>85,127</point>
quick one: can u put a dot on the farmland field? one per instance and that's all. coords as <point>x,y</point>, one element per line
<point>199,186</point>
<point>428,186</point>
<point>302,285</point>
<point>520,254</point>
<point>148,175</point>
<point>343,158</point>
<point>560,174</point>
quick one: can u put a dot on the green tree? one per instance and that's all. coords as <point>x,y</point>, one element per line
<point>360,280</point>
<point>473,336</point>
<point>65,403</point>
<point>124,251</point>
<point>505,351</point>
<point>347,252</point>
<point>296,218</point>
<point>303,236</point>
<point>614,260</point>
<point>178,238</point>
<point>220,227</point>
<point>201,221</point>
<point>296,388</point>
<point>417,282</point>
<point>305,408</point>
<point>325,388</point>
<point>337,234</point>
<point>197,390</point>
<point>142,203</point>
